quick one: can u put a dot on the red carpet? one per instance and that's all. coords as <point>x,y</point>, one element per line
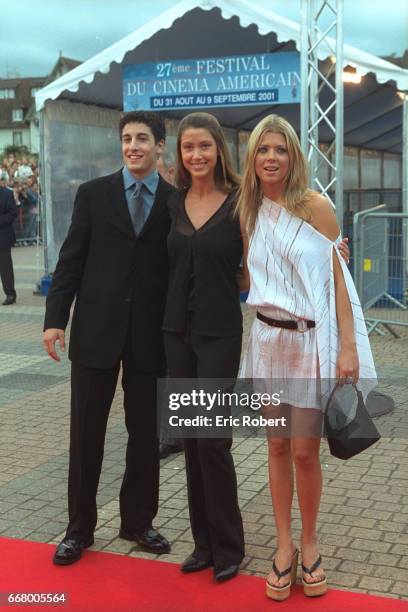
<point>105,581</point>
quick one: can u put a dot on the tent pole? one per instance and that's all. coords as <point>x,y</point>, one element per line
<point>304,71</point>
<point>339,135</point>
<point>42,189</point>
<point>326,173</point>
<point>405,185</point>
<point>405,153</point>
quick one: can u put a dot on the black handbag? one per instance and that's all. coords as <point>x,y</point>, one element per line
<point>348,436</point>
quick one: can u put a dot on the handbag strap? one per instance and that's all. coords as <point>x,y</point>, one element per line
<point>357,390</point>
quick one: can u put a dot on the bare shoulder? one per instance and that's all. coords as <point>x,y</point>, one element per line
<point>323,217</point>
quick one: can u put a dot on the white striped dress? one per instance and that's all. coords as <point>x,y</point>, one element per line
<point>291,270</point>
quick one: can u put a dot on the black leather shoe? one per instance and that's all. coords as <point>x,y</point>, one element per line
<point>10,299</point>
<point>149,540</point>
<point>195,564</point>
<point>168,449</point>
<point>70,550</point>
<point>226,573</point>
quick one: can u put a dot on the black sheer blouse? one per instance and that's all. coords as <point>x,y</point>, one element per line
<point>203,268</point>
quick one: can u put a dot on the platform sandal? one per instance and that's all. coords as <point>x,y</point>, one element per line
<point>314,589</point>
<point>279,593</point>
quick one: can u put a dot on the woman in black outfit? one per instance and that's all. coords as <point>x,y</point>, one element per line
<point>203,327</point>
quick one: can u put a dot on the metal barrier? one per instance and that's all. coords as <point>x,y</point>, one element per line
<point>364,200</point>
<point>380,270</point>
<point>27,226</point>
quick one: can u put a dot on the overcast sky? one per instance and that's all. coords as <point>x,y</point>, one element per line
<point>33,32</point>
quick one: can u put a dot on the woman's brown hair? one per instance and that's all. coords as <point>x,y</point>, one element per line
<point>226,178</point>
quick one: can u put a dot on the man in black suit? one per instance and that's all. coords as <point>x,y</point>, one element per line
<point>8,212</point>
<point>114,261</point>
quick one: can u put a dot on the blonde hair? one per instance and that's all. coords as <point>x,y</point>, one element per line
<point>297,192</point>
<point>226,178</point>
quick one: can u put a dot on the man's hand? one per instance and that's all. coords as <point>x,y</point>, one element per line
<point>344,250</point>
<point>50,337</point>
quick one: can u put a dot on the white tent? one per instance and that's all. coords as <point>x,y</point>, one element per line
<point>80,110</point>
<point>247,13</point>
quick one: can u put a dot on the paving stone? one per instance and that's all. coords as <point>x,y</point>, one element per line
<point>400,538</point>
<point>335,529</point>
<point>30,382</point>
<point>16,531</point>
<point>99,544</point>
<point>16,514</point>
<point>360,503</point>
<point>178,523</point>
<point>352,555</point>
<point>328,517</point>
<point>259,567</point>
<point>400,588</point>
<point>359,521</point>
<point>343,579</point>
<point>5,524</point>
<point>40,536</point>
<point>366,534</point>
<point>259,552</point>
<point>333,540</point>
<point>106,533</point>
<point>392,573</point>
<point>376,584</point>
<point>392,507</point>
<point>399,549</point>
<point>327,550</point>
<point>376,514</point>
<point>356,567</point>
<point>370,545</point>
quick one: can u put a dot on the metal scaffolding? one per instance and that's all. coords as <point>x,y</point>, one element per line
<point>315,80</point>
<point>405,153</point>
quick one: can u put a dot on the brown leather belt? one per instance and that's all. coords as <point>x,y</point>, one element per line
<point>301,325</point>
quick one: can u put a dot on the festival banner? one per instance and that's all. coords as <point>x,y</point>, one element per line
<point>239,80</point>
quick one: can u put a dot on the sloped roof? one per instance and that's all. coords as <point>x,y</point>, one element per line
<point>401,61</point>
<point>61,67</point>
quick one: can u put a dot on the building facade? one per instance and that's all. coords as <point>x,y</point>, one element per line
<point>18,118</point>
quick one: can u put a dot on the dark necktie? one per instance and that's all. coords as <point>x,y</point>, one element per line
<point>136,207</point>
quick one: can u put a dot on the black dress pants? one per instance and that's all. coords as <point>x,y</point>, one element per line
<point>215,516</point>
<point>6,272</point>
<point>92,392</point>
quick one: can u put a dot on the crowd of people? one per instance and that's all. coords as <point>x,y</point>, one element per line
<point>20,175</point>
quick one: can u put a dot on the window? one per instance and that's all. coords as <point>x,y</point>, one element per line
<point>34,91</point>
<point>17,139</point>
<point>17,114</point>
<point>7,94</point>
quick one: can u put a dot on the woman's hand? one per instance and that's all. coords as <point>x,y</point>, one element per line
<point>344,250</point>
<point>347,368</point>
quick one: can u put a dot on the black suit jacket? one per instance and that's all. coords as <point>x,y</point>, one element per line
<point>8,212</point>
<point>119,281</point>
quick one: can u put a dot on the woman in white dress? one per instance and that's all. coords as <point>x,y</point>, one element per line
<point>308,333</point>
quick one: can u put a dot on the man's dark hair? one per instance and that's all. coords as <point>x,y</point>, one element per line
<point>153,120</point>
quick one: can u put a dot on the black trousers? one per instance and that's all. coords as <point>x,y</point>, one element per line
<point>92,392</point>
<point>215,516</point>
<point>6,271</point>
